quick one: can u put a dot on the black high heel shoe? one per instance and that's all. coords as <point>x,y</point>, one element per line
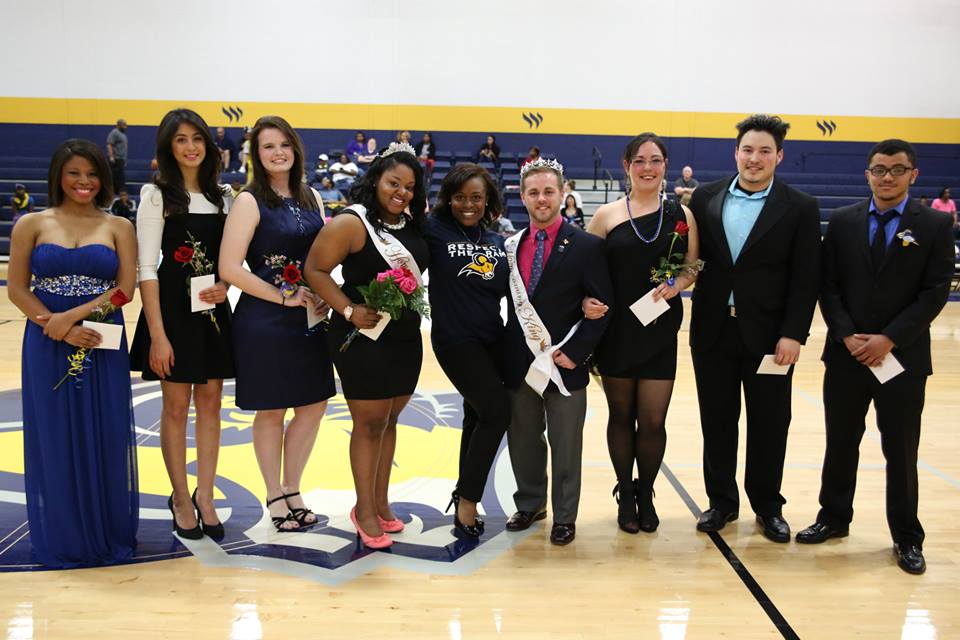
<point>471,530</point>
<point>627,518</point>
<point>190,534</point>
<point>648,513</point>
<point>215,531</point>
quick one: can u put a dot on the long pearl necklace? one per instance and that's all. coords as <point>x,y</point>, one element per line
<point>634,224</point>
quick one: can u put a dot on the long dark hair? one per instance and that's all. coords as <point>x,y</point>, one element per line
<point>364,190</point>
<point>260,185</point>
<point>84,149</point>
<point>169,179</point>
<point>455,180</point>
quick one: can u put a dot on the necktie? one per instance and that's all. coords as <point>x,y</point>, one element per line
<point>537,269</point>
<point>878,249</point>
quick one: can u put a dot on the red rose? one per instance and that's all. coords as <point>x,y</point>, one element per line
<point>682,228</point>
<point>183,254</point>
<point>291,274</point>
<point>119,298</point>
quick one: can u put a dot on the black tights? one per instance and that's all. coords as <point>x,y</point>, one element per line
<point>635,429</point>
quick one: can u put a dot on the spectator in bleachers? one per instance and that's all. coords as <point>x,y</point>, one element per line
<point>403,136</point>
<point>489,151</point>
<point>943,203</point>
<point>532,155</point>
<point>924,201</point>
<point>570,188</point>
<point>245,162</point>
<point>426,153</point>
<point>685,184</point>
<point>364,159</point>
<point>226,147</point>
<point>235,188</point>
<point>357,146</point>
<point>344,172</point>
<point>323,169</point>
<point>332,198</point>
<point>124,207</point>
<point>571,212</point>
<point>117,154</point>
<point>21,202</point>
<point>502,225</point>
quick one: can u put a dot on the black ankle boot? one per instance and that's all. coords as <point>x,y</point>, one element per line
<point>647,512</point>
<point>627,507</point>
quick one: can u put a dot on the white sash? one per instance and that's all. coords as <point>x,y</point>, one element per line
<point>543,369</point>
<point>392,250</point>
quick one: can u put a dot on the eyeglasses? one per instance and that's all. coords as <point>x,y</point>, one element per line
<point>653,163</point>
<point>897,170</point>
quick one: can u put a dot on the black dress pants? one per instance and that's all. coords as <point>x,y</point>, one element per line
<point>848,390</point>
<point>475,370</point>
<point>720,373</point>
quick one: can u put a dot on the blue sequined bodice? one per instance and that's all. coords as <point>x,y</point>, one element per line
<point>87,270</point>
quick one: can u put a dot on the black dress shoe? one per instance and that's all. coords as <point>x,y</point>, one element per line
<point>910,558</point>
<point>774,528</point>
<point>562,534</point>
<point>819,532</point>
<point>714,519</point>
<point>522,520</point>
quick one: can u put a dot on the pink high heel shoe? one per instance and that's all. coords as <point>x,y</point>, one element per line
<point>374,542</point>
<point>390,526</point>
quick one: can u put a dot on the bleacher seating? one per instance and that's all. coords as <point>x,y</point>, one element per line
<point>831,190</point>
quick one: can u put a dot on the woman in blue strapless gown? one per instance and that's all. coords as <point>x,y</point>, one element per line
<point>80,469</point>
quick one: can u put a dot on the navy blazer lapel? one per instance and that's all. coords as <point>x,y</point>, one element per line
<point>715,222</point>
<point>561,246</point>
<point>770,215</point>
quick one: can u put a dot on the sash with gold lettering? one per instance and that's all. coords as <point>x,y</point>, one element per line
<point>543,369</point>
<point>392,250</point>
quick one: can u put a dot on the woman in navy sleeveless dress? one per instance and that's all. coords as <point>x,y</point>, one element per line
<point>281,363</point>
<point>80,465</point>
<point>638,363</point>
<point>378,377</point>
<point>190,353</point>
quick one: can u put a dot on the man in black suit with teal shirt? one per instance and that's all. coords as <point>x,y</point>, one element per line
<point>887,264</point>
<point>554,266</point>
<point>760,240</point>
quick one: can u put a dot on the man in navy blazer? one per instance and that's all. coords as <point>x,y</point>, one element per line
<point>760,240</point>
<point>887,264</point>
<point>554,266</point>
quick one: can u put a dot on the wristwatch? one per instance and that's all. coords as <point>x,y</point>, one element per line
<point>347,312</point>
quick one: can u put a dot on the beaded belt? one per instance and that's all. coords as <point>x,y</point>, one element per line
<point>73,285</point>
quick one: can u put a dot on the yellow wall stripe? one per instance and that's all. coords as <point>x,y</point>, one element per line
<point>477,119</point>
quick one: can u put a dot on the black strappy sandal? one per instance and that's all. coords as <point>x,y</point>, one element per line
<point>300,513</point>
<point>278,521</point>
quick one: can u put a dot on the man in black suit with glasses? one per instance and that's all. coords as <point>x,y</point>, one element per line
<point>887,264</point>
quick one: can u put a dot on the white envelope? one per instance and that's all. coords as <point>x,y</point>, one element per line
<point>110,333</point>
<point>647,310</point>
<point>374,333</point>
<point>198,284</point>
<point>313,318</point>
<point>769,366</point>
<point>888,369</point>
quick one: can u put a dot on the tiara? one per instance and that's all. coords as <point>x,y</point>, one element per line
<point>396,147</point>
<point>541,163</point>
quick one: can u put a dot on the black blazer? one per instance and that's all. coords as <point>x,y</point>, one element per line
<point>776,278</point>
<point>900,301</point>
<point>576,268</point>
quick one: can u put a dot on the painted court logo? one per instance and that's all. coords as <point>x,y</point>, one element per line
<point>424,473</point>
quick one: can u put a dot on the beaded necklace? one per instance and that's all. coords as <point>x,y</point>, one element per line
<point>634,224</point>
